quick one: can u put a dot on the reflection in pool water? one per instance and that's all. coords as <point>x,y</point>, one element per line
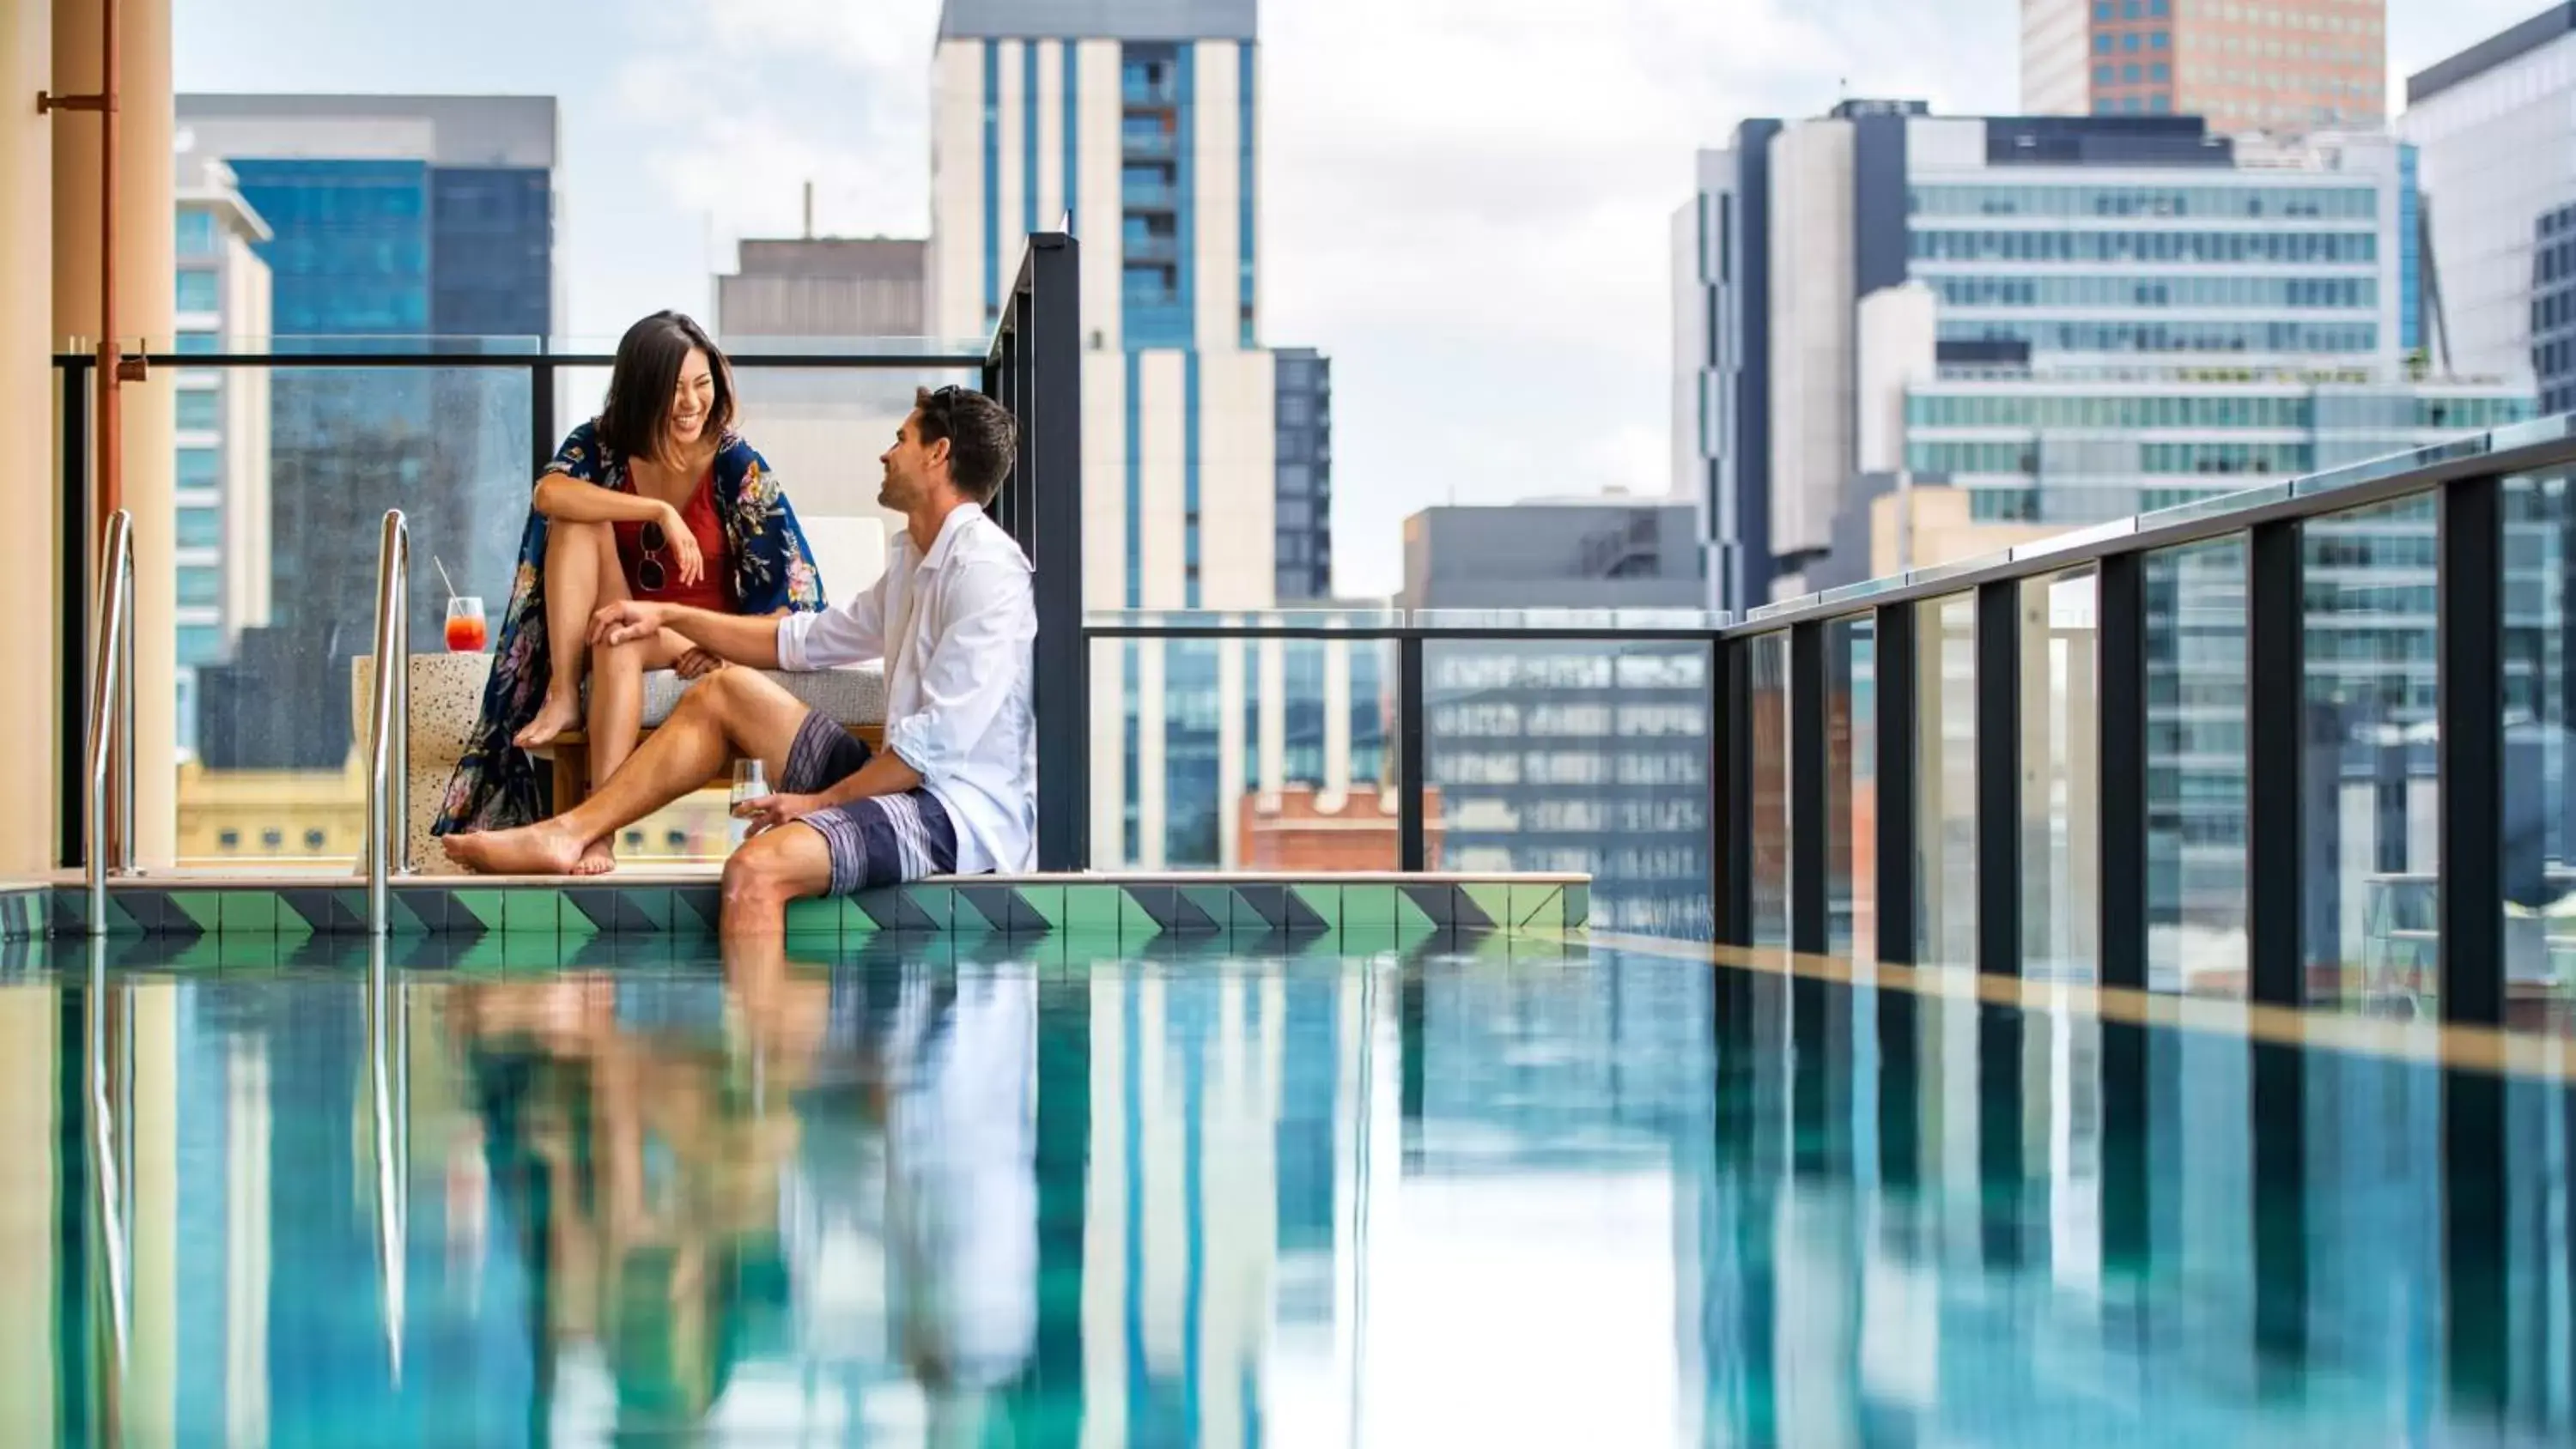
<point>1497,1193</point>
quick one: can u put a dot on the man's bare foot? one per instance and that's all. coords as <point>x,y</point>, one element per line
<point>545,848</point>
<point>599,859</point>
<point>560,712</point>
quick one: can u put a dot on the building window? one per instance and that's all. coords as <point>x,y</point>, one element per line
<point>197,343</point>
<point>228,839</point>
<point>200,644</point>
<point>200,587</point>
<point>2157,7</point>
<point>2158,41</point>
<point>199,468</point>
<point>197,291</point>
<point>201,528</point>
<point>2132,9</point>
<point>313,839</point>
<point>2161,105</point>
<point>2102,45</point>
<point>197,234</point>
<point>2129,41</point>
<point>199,408</point>
<point>2129,73</point>
<point>2102,10</point>
<point>2157,71</point>
<point>272,839</point>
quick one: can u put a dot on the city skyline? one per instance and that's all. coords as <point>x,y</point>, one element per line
<point>1397,211</point>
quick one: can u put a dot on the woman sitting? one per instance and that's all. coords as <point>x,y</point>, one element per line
<point>656,498</point>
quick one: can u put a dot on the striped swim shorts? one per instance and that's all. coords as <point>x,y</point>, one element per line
<point>880,841</point>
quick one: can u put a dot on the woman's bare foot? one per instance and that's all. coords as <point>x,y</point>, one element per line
<point>545,848</point>
<point>599,859</point>
<point>560,712</point>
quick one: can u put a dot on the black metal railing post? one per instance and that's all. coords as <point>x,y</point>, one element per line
<point>2120,717</point>
<point>1999,900</point>
<point>1730,776</point>
<point>1894,659</point>
<point>72,619</point>
<point>2275,769</point>
<point>1412,831</point>
<point>2470,609</point>
<point>1809,829</point>
<point>1035,365</point>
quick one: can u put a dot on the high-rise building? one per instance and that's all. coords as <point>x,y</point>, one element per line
<point>2286,66</point>
<point>2098,245</point>
<point>1138,123</point>
<point>1305,461</point>
<point>398,223</point>
<point>1590,755</point>
<point>2495,127</point>
<point>223,428</point>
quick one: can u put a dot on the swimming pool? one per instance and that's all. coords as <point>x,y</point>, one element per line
<point>1499,1190</point>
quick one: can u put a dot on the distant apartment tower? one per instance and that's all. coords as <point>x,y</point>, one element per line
<point>826,287</point>
<point>2282,66</point>
<point>2495,127</point>
<point>1588,755</point>
<point>2104,245</point>
<point>1140,122</point>
<point>223,428</point>
<point>1305,461</point>
<point>394,220</point>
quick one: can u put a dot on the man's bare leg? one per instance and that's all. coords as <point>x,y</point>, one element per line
<point>786,864</point>
<point>731,713</point>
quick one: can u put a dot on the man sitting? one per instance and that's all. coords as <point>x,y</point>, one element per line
<point>953,617</point>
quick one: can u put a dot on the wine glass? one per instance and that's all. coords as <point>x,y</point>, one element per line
<point>750,782</point>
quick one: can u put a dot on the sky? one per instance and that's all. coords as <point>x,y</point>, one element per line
<point>1466,203</point>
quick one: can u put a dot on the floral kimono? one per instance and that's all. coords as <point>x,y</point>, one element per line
<point>495,787</point>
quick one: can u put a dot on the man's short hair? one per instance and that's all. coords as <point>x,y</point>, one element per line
<point>982,437</point>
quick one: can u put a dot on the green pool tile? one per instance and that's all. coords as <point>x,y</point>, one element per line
<point>481,909</point>
<point>856,922</point>
<point>202,909</point>
<point>819,917</point>
<point>1094,909</point>
<point>1578,907</point>
<point>1484,905</point>
<point>1538,907</point>
<point>1215,902</point>
<point>531,910</point>
<point>1368,908</point>
<point>1142,910</point>
<point>1324,902</point>
<point>261,912</point>
<point>927,908</point>
<point>1037,909</point>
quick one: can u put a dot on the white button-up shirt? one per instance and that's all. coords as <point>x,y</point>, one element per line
<point>954,627</point>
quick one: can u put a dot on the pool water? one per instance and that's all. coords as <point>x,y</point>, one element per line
<point>1475,1193</point>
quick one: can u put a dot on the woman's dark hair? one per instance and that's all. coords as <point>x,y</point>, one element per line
<point>637,415</point>
<point>982,437</point>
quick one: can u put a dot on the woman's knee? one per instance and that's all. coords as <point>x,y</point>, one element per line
<point>568,539</point>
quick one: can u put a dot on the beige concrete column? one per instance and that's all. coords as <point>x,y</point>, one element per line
<point>145,306</point>
<point>28,463</point>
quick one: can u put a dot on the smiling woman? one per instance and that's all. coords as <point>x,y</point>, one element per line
<point>656,498</point>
